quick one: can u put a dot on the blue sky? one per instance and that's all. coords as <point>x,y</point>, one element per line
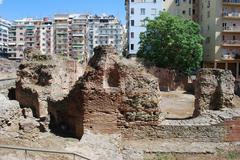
<point>17,9</point>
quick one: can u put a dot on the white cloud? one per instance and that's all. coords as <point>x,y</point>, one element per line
<point>1,1</point>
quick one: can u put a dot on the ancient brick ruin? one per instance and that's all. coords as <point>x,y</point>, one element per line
<point>117,95</point>
<point>113,94</point>
<point>37,81</point>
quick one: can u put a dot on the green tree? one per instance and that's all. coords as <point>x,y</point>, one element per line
<point>172,42</point>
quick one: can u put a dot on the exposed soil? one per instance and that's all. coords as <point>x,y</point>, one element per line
<point>177,104</point>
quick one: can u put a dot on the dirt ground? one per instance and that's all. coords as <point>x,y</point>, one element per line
<point>226,155</point>
<point>177,104</point>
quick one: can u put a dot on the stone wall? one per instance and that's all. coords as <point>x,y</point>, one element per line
<point>188,133</point>
<point>171,80</point>
<point>214,90</point>
<point>212,126</point>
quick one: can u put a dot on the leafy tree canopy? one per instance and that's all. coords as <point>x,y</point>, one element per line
<point>172,42</point>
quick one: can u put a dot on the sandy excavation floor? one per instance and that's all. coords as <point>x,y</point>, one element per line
<point>177,104</point>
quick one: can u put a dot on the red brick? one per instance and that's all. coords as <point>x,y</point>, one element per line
<point>232,122</point>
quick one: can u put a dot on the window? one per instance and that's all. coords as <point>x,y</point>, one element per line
<point>154,11</point>
<point>132,46</point>
<point>132,10</point>
<point>132,34</point>
<point>208,40</point>
<point>132,22</point>
<point>143,11</point>
<point>209,4</point>
<point>208,14</point>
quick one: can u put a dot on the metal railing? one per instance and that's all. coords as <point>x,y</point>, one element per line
<point>26,150</point>
<point>8,79</point>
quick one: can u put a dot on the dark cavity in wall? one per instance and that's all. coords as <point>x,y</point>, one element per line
<point>60,128</point>
<point>113,77</point>
<point>12,93</point>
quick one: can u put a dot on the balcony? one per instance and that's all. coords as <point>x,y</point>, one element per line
<point>231,15</point>
<point>231,56</point>
<point>231,29</point>
<point>231,43</point>
<point>78,35</point>
<point>231,2</point>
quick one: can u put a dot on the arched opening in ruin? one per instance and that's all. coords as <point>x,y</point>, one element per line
<point>113,77</point>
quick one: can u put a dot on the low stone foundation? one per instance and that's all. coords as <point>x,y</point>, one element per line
<point>213,126</point>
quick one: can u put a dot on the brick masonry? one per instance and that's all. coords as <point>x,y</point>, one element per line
<point>232,128</point>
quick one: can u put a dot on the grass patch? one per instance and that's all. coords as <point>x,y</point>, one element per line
<point>232,155</point>
<point>163,156</point>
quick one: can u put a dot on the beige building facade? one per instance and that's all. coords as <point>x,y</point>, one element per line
<point>220,25</point>
<point>182,8</point>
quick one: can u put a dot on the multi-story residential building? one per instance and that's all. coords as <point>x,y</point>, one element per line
<point>30,33</point>
<point>136,13</point>
<point>71,35</point>
<point>17,39</point>
<point>76,35</point>
<point>44,39</point>
<point>4,31</point>
<point>220,23</point>
<point>105,30</point>
<point>138,10</point>
<point>61,33</point>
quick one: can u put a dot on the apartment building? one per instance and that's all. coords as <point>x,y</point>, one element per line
<point>30,33</point>
<point>220,23</point>
<point>76,35</point>
<point>4,31</point>
<point>138,10</point>
<point>105,30</point>
<point>71,35</point>
<point>44,40</point>
<point>61,32</point>
<point>17,39</point>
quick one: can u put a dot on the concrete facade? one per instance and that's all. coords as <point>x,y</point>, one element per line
<point>30,33</point>
<point>138,10</point>
<point>105,30</point>
<point>4,31</point>
<point>220,22</point>
<point>76,35</point>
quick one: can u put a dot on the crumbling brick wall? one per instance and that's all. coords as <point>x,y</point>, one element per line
<point>111,95</point>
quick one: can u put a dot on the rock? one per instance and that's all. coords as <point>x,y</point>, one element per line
<point>27,113</point>
<point>9,111</point>
<point>29,125</point>
<point>113,93</point>
<point>214,90</point>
